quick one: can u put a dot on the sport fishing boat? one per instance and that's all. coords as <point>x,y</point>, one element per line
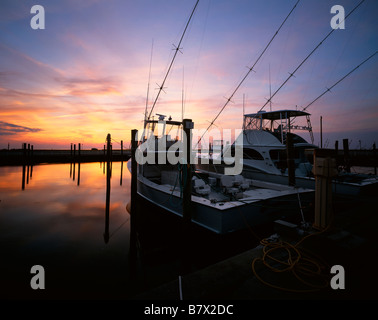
<point>219,202</point>
<point>265,149</point>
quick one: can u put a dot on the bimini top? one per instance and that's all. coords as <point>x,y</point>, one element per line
<point>277,115</point>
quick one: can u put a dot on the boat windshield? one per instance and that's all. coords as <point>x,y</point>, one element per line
<point>277,122</point>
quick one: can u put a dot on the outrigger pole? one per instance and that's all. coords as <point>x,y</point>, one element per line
<point>250,69</point>
<point>148,86</point>
<point>310,54</point>
<point>329,89</point>
<point>170,66</point>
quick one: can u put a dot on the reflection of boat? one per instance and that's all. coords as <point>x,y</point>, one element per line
<point>265,153</point>
<point>219,202</point>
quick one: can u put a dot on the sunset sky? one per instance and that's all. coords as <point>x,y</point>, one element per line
<point>86,74</point>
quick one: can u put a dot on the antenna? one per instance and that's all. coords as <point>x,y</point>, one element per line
<point>161,87</point>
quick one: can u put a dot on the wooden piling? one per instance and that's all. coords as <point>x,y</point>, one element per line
<point>78,173</point>
<point>108,147</point>
<point>346,155</point>
<point>324,170</point>
<point>290,159</point>
<point>375,159</point>
<point>321,132</point>
<point>107,201</point>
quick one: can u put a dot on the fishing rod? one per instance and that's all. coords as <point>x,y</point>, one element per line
<point>249,71</point>
<point>300,65</point>
<point>177,49</point>
<point>329,89</point>
<point>149,79</point>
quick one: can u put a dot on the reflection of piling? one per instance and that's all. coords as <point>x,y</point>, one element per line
<point>375,159</point>
<point>107,202</point>
<point>346,155</point>
<point>133,205</point>
<point>108,147</point>
<point>187,172</point>
<point>290,159</point>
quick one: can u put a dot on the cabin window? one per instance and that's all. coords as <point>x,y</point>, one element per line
<point>279,158</point>
<point>252,154</point>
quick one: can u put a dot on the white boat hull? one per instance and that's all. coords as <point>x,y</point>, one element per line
<point>344,184</point>
<point>225,217</point>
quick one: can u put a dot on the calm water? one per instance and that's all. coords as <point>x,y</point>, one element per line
<point>55,216</point>
<point>65,218</point>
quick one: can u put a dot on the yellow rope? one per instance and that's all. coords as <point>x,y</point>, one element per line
<point>296,264</point>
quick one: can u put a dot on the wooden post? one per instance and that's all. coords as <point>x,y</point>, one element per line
<point>324,169</point>
<point>74,154</point>
<point>79,150</point>
<point>290,159</point>
<point>23,165</point>
<point>187,171</point>
<point>121,149</point>
<point>108,147</point>
<point>321,132</point>
<point>186,249</point>
<point>107,201</point>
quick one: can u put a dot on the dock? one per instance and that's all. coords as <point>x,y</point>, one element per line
<point>349,242</point>
<point>29,156</point>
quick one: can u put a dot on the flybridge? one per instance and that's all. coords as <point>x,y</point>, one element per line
<point>278,122</point>
<point>157,145</point>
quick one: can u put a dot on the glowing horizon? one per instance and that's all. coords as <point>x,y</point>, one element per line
<point>86,74</point>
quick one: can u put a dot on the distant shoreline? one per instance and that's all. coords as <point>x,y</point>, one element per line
<point>31,157</point>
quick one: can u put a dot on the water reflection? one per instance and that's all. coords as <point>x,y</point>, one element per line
<point>108,177</point>
<point>60,224</point>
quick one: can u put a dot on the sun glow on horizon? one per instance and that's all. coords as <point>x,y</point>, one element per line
<point>80,79</point>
